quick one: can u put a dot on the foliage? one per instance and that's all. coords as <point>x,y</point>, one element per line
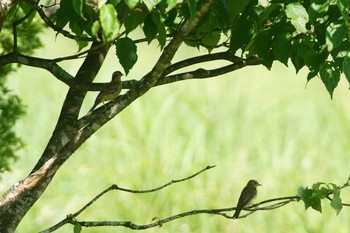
<point>312,34</point>
<point>11,107</point>
<point>312,196</point>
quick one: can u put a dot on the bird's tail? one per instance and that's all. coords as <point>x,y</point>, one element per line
<point>237,212</point>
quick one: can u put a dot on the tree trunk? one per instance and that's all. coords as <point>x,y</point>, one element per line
<point>64,142</point>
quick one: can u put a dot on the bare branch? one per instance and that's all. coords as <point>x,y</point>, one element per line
<point>269,204</point>
<point>158,222</point>
<point>204,58</point>
<point>70,218</point>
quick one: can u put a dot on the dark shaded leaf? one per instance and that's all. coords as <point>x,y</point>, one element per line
<point>282,47</point>
<point>127,53</point>
<point>330,77</point>
<point>150,29</point>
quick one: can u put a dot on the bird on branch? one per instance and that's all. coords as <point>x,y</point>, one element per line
<point>110,93</point>
<point>247,195</point>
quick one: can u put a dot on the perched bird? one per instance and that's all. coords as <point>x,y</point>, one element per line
<point>110,93</point>
<point>247,195</point>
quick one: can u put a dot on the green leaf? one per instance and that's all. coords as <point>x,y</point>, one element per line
<point>297,60</point>
<point>262,46</point>
<point>78,8</point>
<point>335,34</point>
<point>135,19</point>
<point>149,28</point>
<point>211,40</point>
<point>109,22</point>
<point>311,58</point>
<point>127,53</point>
<point>157,19</point>
<point>336,202</point>
<point>240,35</point>
<point>114,2</point>
<point>95,28</point>
<point>282,47</point>
<point>330,77</point>
<point>309,200</point>
<point>311,75</point>
<point>82,44</point>
<point>77,228</point>
<point>236,7</point>
<point>298,16</point>
<point>317,9</point>
<point>150,4</point>
<point>131,3</point>
<point>346,68</point>
<point>171,5</point>
<point>192,5</point>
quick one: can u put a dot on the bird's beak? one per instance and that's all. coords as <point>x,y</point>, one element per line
<point>259,184</point>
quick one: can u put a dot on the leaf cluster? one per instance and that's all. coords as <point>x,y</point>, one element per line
<point>312,196</point>
<point>11,109</point>
<point>312,34</point>
<point>20,31</point>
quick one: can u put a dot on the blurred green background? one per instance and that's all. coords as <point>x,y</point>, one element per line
<point>252,123</point>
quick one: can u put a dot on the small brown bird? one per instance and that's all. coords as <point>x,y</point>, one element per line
<point>247,195</point>
<point>110,93</point>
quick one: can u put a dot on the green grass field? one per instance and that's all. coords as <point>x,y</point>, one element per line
<point>252,123</point>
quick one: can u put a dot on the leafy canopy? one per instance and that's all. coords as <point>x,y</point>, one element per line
<point>312,34</point>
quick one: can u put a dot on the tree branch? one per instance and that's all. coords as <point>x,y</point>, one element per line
<point>70,217</point>
<point>46,64</point>
<point>237,63</point>
<point>274,203</point>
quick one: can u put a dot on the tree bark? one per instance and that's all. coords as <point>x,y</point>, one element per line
<point>63,143</point>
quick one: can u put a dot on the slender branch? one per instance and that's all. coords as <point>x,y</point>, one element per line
<point>70,217</point>
<point>200,73</point>
<point>158,222</point>
<point>204,58</point>
<point>269,204</point>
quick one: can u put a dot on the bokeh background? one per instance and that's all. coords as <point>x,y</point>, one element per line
<point>252,123</point>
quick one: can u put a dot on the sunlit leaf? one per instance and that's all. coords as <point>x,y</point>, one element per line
<point>298,16</point>
<point>109,22</point>
<point>131,3</point>
<point>335,34</point>
<point>336,202</point>
<point>150,4</point>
